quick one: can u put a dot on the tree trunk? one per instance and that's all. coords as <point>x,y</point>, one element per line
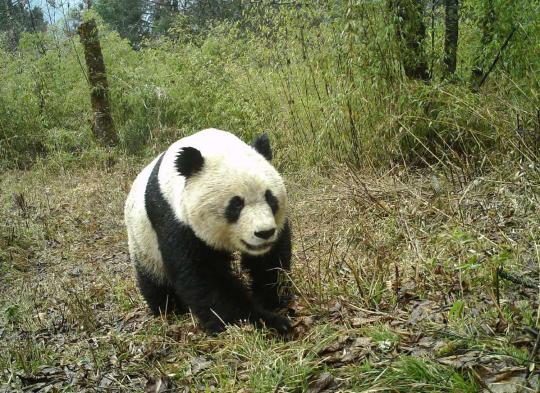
<point>411,32</point>
<point>102,124</point>
<point>486,26</point>
<point>451,36</point>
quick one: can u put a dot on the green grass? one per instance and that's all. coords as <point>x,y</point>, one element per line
<point>394,285</point>
<point>406,199</point>
<point>410,374</point>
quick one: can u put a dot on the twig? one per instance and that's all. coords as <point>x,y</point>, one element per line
<point>535,348</point>
<point>503,47</point>
<point>515,279</point>
<point>533,332</point>
<point>497,288</point>
<point>479,379</point>
<point>383,314</point>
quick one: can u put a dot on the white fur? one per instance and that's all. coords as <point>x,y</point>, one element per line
<point>142,239</point>
<point>230,168</point>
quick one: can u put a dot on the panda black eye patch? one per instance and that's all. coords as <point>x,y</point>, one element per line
<point>234,208</point>
<point>272,201</point>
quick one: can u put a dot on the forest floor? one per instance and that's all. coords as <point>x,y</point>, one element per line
<point>404,283</point>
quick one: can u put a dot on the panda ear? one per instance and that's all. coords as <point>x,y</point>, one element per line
<point>262,146</point>
<point>189,161</point>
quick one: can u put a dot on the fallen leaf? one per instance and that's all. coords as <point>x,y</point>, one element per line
<point>198,364</point>
<point>424,346</point>
<point>157,385</point>
<point>511,380</point>
<point>41,317</point>
<point>44,374</point>
<point>323,383</point>
<point>180,332</point>
<point>364,342</point>
<point>336,307</point>
<point>461,361</point>
<point>302,325</point>
<point>426,310</point>
<point>362,321</point>
<point>106,382</point>
<point>346,349</point>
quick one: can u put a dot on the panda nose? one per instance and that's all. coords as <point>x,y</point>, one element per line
<point>265,234</point>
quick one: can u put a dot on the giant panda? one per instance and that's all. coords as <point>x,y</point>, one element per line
<point>206,197</point>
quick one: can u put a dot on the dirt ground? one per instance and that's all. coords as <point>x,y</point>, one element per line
<point>404,282</point>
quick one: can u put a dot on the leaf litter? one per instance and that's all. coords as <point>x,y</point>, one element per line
<point>89,329</point>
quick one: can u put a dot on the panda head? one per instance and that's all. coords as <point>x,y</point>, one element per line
<point>233,200</point>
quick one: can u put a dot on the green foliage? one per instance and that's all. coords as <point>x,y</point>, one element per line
<point>198,16</point>
<point>18,17</point>
<point>12,313</point>
<point>40,95</point>
<point>327,73</point>
<point>127,17</point>
<point>519,58</point>
<point>456,311</point>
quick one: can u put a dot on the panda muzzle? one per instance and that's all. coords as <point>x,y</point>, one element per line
<point>257,247</point>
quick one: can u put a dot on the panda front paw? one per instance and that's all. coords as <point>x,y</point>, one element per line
<point>213,328</point>
<point>275,322</point>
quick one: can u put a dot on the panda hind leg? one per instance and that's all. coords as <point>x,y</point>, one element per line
<point>160,297</point>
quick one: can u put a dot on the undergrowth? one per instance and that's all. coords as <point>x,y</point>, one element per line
<point>394,275</point>
<point>327,74</point>
<point>415,207</point>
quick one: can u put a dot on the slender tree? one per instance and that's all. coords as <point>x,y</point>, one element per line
<point>451,36</point>
<point>102,124</point>
<point>487,23</point>
<point>411,32</point>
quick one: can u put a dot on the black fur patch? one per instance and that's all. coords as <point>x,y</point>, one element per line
<point>262,145</point>
<point>272,201</point>
<point>189,161</point>
<point>160,296</point>
<point>234,208</point>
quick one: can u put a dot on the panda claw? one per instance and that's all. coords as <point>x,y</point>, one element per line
<point>277,323</point>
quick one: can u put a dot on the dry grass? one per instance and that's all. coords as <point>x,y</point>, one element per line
<point>395,276</point>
